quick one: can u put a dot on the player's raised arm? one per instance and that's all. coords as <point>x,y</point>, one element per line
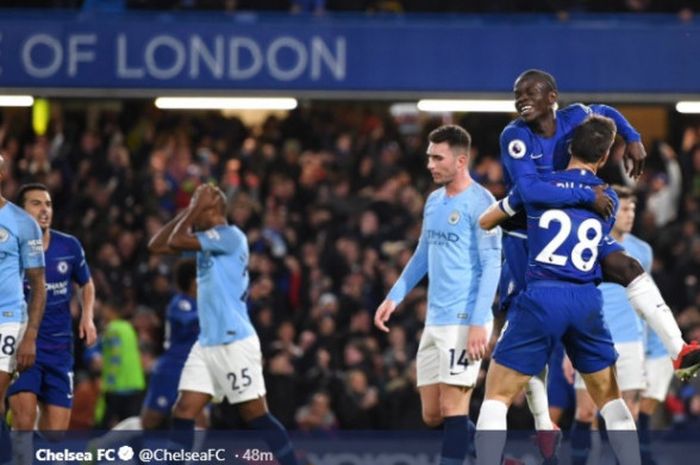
<point>635,153</point>
<point>182,237</point>
<point>158,245</point>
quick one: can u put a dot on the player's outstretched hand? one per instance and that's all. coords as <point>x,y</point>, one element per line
<point>26,353</point>
<point>383,313</point>
<point>603,204</point>
<point>476,343</point>
<point>87,331</point>
<point>634,158</point>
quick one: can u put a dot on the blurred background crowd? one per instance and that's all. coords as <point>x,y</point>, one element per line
<point>330,197</point>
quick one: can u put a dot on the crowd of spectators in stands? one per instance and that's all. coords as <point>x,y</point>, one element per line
<point>330,197</point>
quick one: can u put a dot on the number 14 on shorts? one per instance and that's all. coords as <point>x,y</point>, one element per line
<point>458,363</point>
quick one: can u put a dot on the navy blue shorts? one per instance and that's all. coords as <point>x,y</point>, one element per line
<point>549,311</point>
<point>162,386</point>
<point>50,378</point>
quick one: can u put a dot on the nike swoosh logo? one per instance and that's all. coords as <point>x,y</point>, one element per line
<point>535,157</point>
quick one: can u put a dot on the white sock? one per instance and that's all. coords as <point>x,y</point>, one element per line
<point>650,305</point>
<point>490,439</point>
<point>129,424</point>
<point>621,432</point>
<point>536,394</point>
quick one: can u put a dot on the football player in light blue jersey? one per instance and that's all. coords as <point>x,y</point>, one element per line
<point>560,302</point>
<point>49,383</point>
<point>226,361</point>
<point>463,264</point>
<point>627,331</point>
<point>21,252</point>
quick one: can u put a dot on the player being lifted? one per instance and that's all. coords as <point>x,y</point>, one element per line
<point>537,143</point>
<point>463,264</point>
<point>560,301</point>
<point>226,361</point>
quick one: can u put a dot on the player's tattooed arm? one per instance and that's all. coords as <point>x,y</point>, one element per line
<point>26,351</point>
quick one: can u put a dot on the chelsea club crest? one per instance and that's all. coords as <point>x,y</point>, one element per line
<point>4,235</point>
<point>453,218</point>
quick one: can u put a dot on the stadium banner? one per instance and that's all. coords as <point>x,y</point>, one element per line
<point>331,448</point>
<point>238,53</point>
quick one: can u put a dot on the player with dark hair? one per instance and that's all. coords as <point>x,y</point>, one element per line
<point>560,300</point>
<point>537,143</point>
<point>226,360</point>
<point>23,255</point>
<point>463,264</point>
<point>49,383</point>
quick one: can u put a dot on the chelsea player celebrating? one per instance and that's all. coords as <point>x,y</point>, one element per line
<point>537,143</point>
<point>463,264</point>
<point>561,300</point>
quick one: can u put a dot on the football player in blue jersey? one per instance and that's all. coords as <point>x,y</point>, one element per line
<point>21,254</point>
<point>626,329</point>
<point>561,300</point>
<point>226,360</point>
<point>463,264</point>
<point>181,332</point>
<point>49,383</point>
<point>537,143</point>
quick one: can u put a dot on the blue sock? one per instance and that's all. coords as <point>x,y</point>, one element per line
<point>5,441</point>
<point>644,437</point>
<point>181,435</point>
<point>580,442</point>
<point>455,440</point>
<point>276,437</point>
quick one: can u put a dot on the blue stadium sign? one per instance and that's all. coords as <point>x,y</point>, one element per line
<point>422,55</point>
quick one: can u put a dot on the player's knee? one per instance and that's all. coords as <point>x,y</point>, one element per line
<point>23,420</point>
<point>585,414</point>
<point>620,268</point>
<point>432,419</point>
<point>183,408</point>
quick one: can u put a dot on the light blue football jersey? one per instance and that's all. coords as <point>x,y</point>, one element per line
<point>624,324</point>
<point>21,248</point>
<point>222,286</point>
<point>462,261</point>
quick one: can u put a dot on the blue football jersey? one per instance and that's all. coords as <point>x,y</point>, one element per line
<point>222,286</point>
<point>564,243</point>
<point>462,261</point>
<point>181,326</point>
<point>21,248</point>
<point>65,265</point>
<point>624,324</point>
<point>526,155</point>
